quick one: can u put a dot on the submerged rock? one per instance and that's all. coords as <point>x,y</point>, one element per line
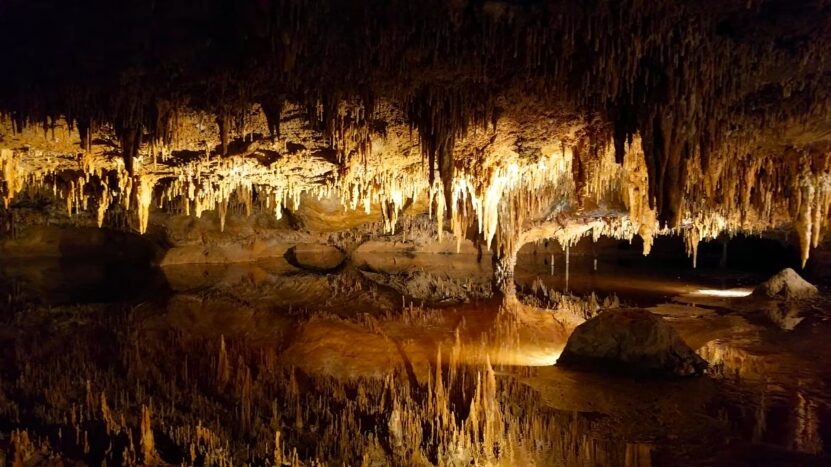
<point>631,340</point>
<point>786,285</point>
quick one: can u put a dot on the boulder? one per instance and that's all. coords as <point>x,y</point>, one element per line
<point>630,340</point>
<point>785,285</point>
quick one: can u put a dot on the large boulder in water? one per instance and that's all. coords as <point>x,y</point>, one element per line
<point>785,285</point>
<point>631,340</point>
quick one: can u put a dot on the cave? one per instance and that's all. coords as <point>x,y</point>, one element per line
<point>430,232</point>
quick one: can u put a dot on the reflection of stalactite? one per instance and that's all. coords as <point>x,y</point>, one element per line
<point>148,446</point>
<point>806,436</point>
<point>223,366</point>
<point>760,426</point>
<point>638,455</point>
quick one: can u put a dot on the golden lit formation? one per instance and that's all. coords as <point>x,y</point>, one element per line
<point>496,190</point>
<point>431,232</point>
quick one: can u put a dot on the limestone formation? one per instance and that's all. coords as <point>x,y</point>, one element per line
<point>498,120</point>
<point>255,159</point>
<point>632,340</point>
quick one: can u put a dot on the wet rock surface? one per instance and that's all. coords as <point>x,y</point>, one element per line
<point>631,340</point>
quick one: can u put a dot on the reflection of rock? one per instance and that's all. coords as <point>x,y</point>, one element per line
<point>328,346</point>
<point>316,258</point>
<point>783,314</point>
<point>432,288</point>
<point>787,285</point>
<point>731,358</point>
<point>272,285</point>
<point>631,340</point>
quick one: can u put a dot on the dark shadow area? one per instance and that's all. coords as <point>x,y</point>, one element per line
<point>619,267</point>
<point>57,266</point>
<point>73,281</point>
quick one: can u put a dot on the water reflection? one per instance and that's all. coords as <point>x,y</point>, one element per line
<point>267,364</point>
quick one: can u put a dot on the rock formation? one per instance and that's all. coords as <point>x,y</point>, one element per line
<point>785,285</point>
<point>630,340</point>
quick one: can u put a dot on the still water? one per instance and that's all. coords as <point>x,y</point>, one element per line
<point>265,364</point>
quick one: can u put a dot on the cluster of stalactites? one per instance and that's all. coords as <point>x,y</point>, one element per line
<point>499,194</point>
<point>678,75</point>
<point>89,180</point>
<point>754,194</point>
<point>514,195</point>
<point>743,194</point>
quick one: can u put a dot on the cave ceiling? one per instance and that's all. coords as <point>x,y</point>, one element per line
<point>506,121</point>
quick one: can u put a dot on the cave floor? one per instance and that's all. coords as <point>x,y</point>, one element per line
<point>343,369</point>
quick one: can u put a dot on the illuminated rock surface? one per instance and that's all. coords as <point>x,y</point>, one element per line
<point>630,340</point>
<point>786,285</point>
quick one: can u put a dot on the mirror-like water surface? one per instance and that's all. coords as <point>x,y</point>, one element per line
<point>266,364</point>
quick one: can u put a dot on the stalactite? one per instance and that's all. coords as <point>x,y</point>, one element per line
<point>223,121</point>
<point>86,129</point>
<point>654,121</point>
<point>144,198</point>
<point>691,241</point>
<point>130,144</point>
<point>12,183</point>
